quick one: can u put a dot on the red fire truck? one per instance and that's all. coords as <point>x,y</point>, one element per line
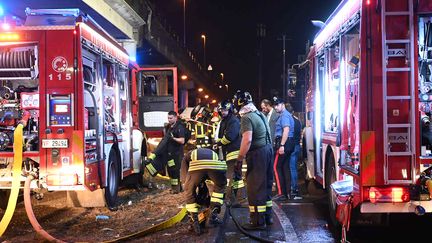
<point>368,108</point>
<point>76,87</point>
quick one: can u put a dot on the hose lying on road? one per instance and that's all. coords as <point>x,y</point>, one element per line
<point>38,228</point>
<point>30,214</point>
<point>164,225</point>
<point>252,236</point>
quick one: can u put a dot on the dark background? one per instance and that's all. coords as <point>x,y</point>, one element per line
<point>231,30</point>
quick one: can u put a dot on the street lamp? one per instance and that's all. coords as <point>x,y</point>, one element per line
<point>222,77</point>
<point>184,77</point>
<point>226,85</point>
<point>204,48</point>
<point>200,89</point>
<point>184,23</point>
<point>206,96</point>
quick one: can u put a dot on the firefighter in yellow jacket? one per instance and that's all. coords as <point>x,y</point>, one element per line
<point>201,164</point>
<point>229,139</point>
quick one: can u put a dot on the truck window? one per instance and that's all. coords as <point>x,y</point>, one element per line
<point>349,86</point>
<point>331,89</point>
<point>156,82</point>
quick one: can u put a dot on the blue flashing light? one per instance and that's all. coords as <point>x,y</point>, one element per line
<point>1,10</point>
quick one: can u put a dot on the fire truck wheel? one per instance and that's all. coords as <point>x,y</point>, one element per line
<point>113,179</point>
<point>4,198</point>
<point>330,178</point>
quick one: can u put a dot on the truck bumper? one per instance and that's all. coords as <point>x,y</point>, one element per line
<point>408,207</point>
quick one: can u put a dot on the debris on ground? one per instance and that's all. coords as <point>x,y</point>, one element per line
<point>138,209</point>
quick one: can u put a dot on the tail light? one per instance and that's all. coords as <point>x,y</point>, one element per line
<point>388,194</point>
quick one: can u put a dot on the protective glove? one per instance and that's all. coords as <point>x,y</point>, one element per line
<point>152,156</point>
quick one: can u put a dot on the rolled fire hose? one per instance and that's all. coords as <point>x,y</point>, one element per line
<point>16,176</point>
<point>30,214</point>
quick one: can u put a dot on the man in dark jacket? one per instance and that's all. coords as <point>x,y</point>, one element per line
<point>169,152</point>
<point>229,139</point>
<point>295,154</point>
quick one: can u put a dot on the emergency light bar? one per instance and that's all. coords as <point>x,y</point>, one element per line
<point>9,36</point>
<point>64,12</point>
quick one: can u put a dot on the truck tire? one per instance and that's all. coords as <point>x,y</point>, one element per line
<point>113,180</point>
<point>330,178</point>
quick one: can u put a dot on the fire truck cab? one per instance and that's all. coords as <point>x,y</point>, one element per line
<point>76,86</point>
<point>368,136</point>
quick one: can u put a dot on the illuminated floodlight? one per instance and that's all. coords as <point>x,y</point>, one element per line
<point>6,26</point>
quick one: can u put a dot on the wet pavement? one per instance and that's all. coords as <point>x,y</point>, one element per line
<point>304,220</point>
<point>232,234</point>
<point>307,220</point>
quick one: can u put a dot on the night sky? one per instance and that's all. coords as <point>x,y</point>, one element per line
<point>230,27</point>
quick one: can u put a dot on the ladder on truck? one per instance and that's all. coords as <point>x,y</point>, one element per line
<point>399,129</point>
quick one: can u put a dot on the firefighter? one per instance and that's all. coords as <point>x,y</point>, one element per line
<point>201,128</point>
<point>229,139</point>
<point>169,152</point>
<point>256,147</point>
<point>198,165</point>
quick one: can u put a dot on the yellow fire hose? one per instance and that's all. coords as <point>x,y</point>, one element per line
<point>164,225</point>
<point>17,165</point>
<point>16,183</point>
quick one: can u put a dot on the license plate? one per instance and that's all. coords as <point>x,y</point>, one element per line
<point>54,143</point>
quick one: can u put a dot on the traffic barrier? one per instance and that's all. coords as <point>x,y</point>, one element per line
<point>16,176</point>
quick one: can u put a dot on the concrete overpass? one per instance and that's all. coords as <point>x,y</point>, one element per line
<point>132,23</point>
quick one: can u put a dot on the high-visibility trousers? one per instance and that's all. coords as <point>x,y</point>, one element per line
<point>194,178</point>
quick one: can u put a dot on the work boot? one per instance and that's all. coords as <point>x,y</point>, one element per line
<point>195,225</point>
<point>233,202</point>
<point>257,222</point>
<point>269,216</point>
<point>175,189</point>
<point>214,220</point>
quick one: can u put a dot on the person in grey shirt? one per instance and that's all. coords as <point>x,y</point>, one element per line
<point>271,115</point>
